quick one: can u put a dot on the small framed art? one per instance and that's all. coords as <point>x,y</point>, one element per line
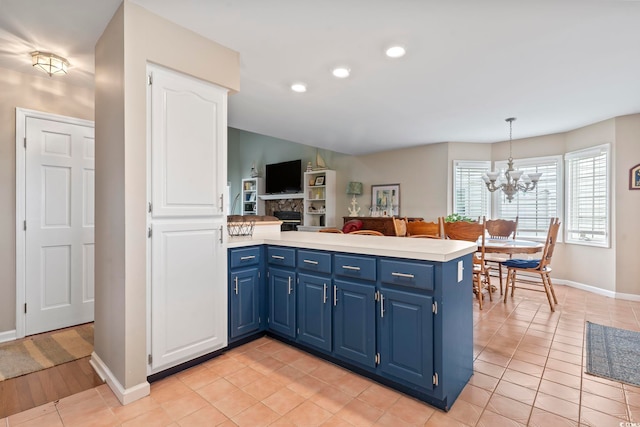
<point>319,180</point>
<point>634,177</point>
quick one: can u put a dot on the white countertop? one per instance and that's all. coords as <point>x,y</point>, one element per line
<point>399,247</point>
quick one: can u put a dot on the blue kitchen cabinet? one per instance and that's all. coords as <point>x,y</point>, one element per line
<point>405,325</point>
<point>314,310</point>
<point>281,289</point>
<point>354,322</point>
<point>246,292</point>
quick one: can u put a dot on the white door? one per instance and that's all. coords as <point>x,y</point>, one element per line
<point>188,292</point>
<point>59,212</point>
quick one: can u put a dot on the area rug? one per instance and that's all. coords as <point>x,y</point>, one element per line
<point>43,351</point>
<point>613,353</point>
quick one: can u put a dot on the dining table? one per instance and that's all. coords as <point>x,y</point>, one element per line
<point>511,246</point>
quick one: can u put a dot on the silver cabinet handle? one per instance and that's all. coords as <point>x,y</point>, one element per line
<point>220,234</point>
<point>290,288</point>
<point>277,257</point>
<point>335,295</point>
<point>236,286</point>
<point>244,258</point>
<point>222,202</point>
<point>381,305</point>
<point>350,267</point>
<point>409,276</point>
<point>308,261</point>
<point>324,298</point>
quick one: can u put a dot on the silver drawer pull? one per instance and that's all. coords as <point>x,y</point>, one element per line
<point>324,298</point>
<point>350,267</point>
<point>244,258</point>
<point>308,261</point>
<point>381,305</point>
<point>277,257</point>
<point>236,286</point>
<point>408,276</point>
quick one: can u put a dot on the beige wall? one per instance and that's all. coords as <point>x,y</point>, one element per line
<point>47,94</point>
<point>627,207</point>
<point>132,39</point>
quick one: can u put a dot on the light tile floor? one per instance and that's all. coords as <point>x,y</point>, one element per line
<point>529,370</point>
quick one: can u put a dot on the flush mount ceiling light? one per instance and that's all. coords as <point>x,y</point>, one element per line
<point>341,72</point>
<point>395,51</point>
<point>50,63</point>
<point>299,87</point>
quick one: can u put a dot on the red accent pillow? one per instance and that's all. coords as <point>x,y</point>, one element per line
<point>353,225</point>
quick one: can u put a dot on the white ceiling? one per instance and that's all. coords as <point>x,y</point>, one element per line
<point>555,64</point>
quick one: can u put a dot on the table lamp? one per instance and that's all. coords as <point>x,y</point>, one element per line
<point>355,189</point>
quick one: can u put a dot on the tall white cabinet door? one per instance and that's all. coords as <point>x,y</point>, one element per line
<point>188,275</point>
<point>59,213</point>
<point>188,307</point>
<point>188,120</point>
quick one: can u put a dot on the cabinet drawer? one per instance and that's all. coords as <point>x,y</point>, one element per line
<point>360,267</point>
<point>406,273</point>
<point>244,257</point>
<point>277,255</point>
<point>314,261</point>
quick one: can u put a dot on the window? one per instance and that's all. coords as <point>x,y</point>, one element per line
<point>534,208</point>
<point>587,174</point>
<point>470,195</point>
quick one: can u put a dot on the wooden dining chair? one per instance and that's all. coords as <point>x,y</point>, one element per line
<point>472,232</point>
<point>431,230</point>
<point>367,232</point>
<point>399,226</point>
<point>330,230</point>
<point>540,267</point>
<point>499,229</point>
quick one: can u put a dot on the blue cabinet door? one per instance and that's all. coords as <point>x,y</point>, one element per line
<point>405,324</point>
<point>314,310</point>
<point>282,301</point>
<point>354,322</point>
<point>244,296</point>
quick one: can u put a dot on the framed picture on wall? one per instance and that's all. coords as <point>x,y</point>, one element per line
<point>385,199</point>
<point>634,177</point>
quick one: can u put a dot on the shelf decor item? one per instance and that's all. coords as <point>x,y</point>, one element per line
<point>355,189</point>
<point>319,180</point>
<point>385,199</point>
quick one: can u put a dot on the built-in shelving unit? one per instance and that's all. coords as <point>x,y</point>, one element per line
<point>319,199</point>
<point>252,204</point>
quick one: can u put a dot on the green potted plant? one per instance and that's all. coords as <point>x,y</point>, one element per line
<point>454,217</point>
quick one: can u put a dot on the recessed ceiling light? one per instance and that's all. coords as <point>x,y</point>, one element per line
<point>395,51</point>
<point>341,72</point>
<point>299,87</point>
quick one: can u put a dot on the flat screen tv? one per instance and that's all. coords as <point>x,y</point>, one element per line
<point>285,177</point>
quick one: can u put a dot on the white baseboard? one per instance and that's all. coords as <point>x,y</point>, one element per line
<point>596,290</point>
<point>125,396</point>
<point>8,336</point>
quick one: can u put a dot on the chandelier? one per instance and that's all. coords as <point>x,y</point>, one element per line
<point>513,180</point>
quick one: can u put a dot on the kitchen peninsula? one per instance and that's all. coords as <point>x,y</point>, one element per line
<point>394,309</point>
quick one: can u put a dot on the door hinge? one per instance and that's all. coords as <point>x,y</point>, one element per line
<point>298,331</point>
<point>298,280</point>
<point>150,207</point>
<point>25,308</point>
<point>150,359</point>
<point>434,307</point>
<point>268,274</point>
<point>150,232</point>
<point>259,274</point>
<point>376,296</point>
<point>435,379</point>
<point>377,358</point>
<point>25,142</point>
<point>150,80</point>
<point>24,225</point>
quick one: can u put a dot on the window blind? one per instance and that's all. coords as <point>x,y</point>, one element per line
<point>588,196</point>
<point>470,195</point>
<point>534,208</point>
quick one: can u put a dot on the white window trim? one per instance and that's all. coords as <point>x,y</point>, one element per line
<point>471,164</point>
<point>530,161</point>
<point>591,151</point>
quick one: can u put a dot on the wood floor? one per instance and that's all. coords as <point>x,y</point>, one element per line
<point>31,390</point>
